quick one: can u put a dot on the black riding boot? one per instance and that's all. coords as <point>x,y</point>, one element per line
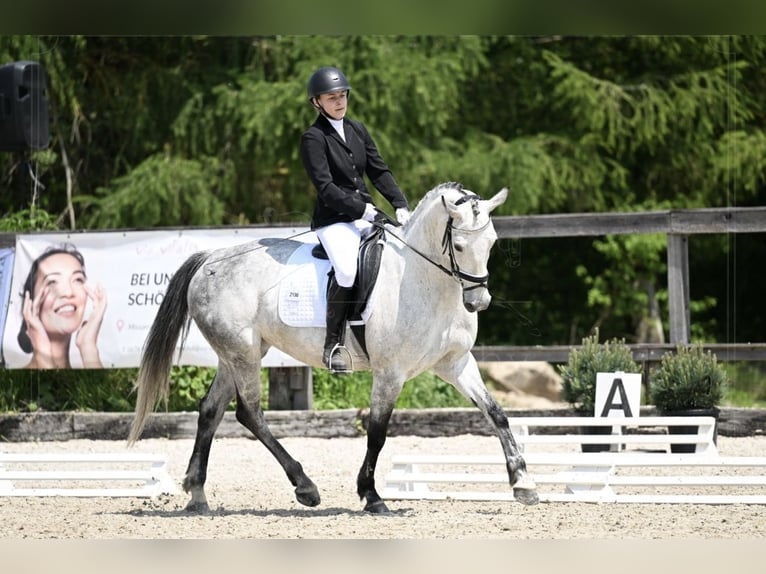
<point>336,357</point>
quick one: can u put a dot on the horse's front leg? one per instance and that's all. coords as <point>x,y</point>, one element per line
<point>466,377</point>
<point>524,488</point>
<point>382,402</point>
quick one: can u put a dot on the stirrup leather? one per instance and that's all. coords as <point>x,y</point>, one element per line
<point>342,366</point>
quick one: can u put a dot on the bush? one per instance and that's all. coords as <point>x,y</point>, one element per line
<point>578,385</point>
<point>687,379</point>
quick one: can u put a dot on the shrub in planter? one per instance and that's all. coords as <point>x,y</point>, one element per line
<point>688,382</point>
<point>690,378</point>
<point>578,376</point>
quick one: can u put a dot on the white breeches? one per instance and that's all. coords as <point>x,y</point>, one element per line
<point>341,242</point>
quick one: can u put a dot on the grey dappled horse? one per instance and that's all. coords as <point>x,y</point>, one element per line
<point>431,284</point>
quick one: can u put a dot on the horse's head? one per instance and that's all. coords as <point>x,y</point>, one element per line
<point>468,237</point>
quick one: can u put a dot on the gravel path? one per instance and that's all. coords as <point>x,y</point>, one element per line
<point>251,498</point>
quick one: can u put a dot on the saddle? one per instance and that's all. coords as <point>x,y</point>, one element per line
<point>368,266</point>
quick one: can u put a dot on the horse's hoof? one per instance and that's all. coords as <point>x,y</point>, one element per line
<point>197,507</point>
<point>307,496</point>
<point>377,507</point>
<point>526,496</point>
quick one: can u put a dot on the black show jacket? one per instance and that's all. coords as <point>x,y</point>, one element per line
<point>337,169</point>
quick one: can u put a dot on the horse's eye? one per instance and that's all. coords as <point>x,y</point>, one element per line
<point>459,244</point>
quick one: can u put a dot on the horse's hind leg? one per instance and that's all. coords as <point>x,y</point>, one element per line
<point>211,410</point>
<point>465,376</point>
<point>250,415</point>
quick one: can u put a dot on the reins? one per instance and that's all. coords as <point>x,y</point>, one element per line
<point>256,248</point>
<point>448,246</point>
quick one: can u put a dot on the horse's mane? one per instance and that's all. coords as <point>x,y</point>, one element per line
<point>437,192</point>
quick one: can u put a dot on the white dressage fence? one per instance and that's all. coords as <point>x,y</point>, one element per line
<point>623,432</point>
<point>647,474</point>
<point>83,475</point>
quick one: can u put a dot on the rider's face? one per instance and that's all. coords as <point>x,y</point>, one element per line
<point>334,104</point>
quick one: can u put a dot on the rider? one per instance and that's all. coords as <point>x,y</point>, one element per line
<point>337,152</point>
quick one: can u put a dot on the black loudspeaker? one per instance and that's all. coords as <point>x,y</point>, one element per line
<point>23,107</point>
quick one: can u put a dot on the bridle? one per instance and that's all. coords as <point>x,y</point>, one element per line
<point>448,246</point>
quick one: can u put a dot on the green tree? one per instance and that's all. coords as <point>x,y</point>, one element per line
<point>627,123</point>
<point>196,130</point>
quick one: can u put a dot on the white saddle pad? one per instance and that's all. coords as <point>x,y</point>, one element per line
<point>302,301</point>
<point>302,292</point>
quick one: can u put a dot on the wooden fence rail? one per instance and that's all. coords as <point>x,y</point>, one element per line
<point>642,353</point>
<point>677,224</point>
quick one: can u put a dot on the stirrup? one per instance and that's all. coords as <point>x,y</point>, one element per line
<point>340,349</point>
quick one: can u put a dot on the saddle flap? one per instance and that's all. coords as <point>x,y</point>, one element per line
<point>368,266</point>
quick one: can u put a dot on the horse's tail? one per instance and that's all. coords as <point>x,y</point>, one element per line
<point>171,322</point>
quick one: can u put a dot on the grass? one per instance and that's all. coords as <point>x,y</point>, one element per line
<point>747,385</point>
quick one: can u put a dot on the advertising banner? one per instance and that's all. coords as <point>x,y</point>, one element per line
<point>115,282</point>
<point>6,275</point>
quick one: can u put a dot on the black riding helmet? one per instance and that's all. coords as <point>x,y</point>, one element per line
<point>326,80</point>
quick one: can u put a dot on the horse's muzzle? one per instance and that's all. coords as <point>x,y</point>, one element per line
<point>476,300</point>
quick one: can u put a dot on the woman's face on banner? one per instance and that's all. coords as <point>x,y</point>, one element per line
<point>61,280</point>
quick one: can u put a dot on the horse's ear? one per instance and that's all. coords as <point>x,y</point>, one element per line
<point>497,199</point>
<point>451,208</point>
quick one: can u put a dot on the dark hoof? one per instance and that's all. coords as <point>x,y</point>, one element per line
<point>377,507</point>
<point>197,507</point>
<point>526,496</point>
<point>308,496</point>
